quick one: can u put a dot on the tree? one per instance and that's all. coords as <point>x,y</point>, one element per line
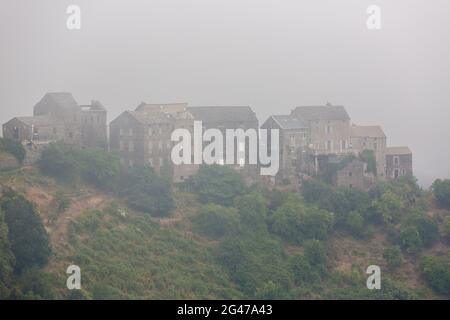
<point>436,271</point>
<point>7,260</point>
<point>13,147</point>
<point>388,208</point>
<point>393,257</point>
<point>355,224</point>
<point>216,221</point>
<point>146,191</point>
<point>254,260</point>
<point>447,229</point>
<point>27,235</point>
<point>441,190</point>
<point>410,239</point>
<point>252,209</point>
<point>295,221</point>
<point>217,184</point>
<point>58,161</point>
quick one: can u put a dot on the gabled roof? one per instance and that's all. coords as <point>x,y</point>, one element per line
<point>367,131</point>
<point>288,122</point>
<point>398,150</point>
<point>223,114</point>
<point>62,99</point>
<point>327,112</point>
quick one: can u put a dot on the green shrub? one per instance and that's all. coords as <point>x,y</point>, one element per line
<point>441,190</point>
<point>436,271</point>
<point>216,184</point>
<point>252,211</point>
<point>295,221</point>
<point>28,238</point>
<point>393,257</point>
<point>7,260</point>
<point>355,224</point>
<point>146,191</point>
<point>216,221</point>
<point>447,229</point>
<point>410,239</point>
<point>252,262</point>
<point>13,147</point>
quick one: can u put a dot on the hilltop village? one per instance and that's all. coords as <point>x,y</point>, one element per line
<point>313,140</point>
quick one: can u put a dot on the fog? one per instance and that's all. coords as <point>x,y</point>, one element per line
<point>271,55</point>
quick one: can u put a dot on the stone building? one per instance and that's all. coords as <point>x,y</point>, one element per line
<point>354,175</point>
<point>293,144</point>
<point>143,137</point>
<point>329,128</point>
<point>398,162</point>
<point>232,117</point>
<point>58,117</point>
<point>370,138</point>
<point>94,126</point>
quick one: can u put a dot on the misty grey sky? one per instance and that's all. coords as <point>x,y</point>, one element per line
<point>270,54</point>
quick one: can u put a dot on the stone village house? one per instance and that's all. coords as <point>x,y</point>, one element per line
<point>58,117</point>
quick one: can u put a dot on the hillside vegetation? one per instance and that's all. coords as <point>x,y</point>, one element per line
<point>136,237</point>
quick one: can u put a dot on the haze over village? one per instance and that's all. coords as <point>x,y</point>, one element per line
<point>270,58</point>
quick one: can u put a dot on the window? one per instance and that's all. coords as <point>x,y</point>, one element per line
<point>343,145</point>
<point>350,174</point>
<point>131,132</point>
<point>169,144</point>
<point>121,145</point>
<point>161,161</point>
<point>160,144</point>
<point>121,132</point>
<point>375,145</point>
<point>396,161</point>
<point>131,146</point>
<point>328,129</point>
<point>54,131</point>
<point>130,162</point>
<point>150,161</point>
<point>150,131</point>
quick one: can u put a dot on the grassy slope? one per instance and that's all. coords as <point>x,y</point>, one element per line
<point>126,254</point>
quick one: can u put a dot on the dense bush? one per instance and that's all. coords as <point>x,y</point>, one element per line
<point>436,271</point>
<point>417,231</point>
<point>393,257</point>
<point>146,191</point>
<point>441,190</point>
<point>13,147</point>
<point>216,221</point>
<point>388,208</point>
<point>252,209</point>
<point>217,184</point>
<point>27,236</point>
<point>410,239</point>
<point>447,229</point>
<point>6,259</point>
<point>94,165</point>
<point>341,201</point>
<point>252,262</point>
<point>58,160</point>
<point>296,221</point>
